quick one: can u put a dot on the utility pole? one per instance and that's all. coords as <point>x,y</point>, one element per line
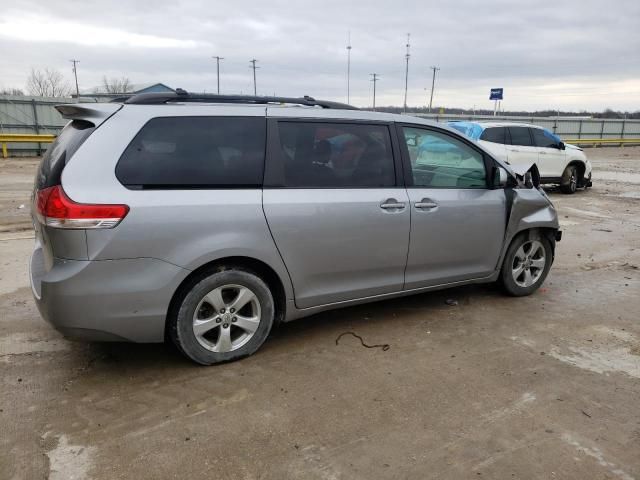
<point>374,79</point>
<point>406,73</point>
<point>218,70</point>
<point>433,84</point>
<point>253,66</point>
<point>348,67</point>
<point>75,74</point>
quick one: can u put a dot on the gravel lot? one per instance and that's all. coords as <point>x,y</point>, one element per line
<point>491,387</point>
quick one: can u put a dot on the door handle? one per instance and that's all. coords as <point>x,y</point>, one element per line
<point>426,203</point>
<point>542,153</point>
<point>391,204</point>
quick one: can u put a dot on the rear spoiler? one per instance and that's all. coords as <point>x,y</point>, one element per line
<point>94,113</point>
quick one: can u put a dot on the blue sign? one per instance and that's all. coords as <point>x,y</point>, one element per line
<point>496,94</point>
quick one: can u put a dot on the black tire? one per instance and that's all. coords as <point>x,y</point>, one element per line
<point>181,321</point>
<point>519,288</point>
<point>569,181</point>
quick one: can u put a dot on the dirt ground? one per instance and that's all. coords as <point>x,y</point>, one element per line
<point>494,387</point>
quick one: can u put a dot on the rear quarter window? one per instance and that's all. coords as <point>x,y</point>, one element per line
<point>195,152</point>
<point>60,152</point>
<point>494,135</point>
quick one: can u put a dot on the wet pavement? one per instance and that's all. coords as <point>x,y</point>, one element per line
<point>484,386</point>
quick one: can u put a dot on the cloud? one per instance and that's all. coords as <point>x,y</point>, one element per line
<point>546,54</point>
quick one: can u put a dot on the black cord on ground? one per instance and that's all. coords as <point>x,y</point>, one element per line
<point>383,346</point>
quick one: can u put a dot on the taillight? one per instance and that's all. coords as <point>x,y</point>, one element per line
<point>55,209</point>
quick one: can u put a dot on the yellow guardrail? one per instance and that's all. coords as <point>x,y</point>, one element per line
<point>22,138</point>
<point>603,141</point>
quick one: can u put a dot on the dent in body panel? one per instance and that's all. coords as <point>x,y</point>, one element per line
<point>528,208</point>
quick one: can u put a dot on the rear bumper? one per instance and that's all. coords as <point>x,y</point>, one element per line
<point>107,300</point>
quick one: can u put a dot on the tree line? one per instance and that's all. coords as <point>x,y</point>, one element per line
<point>49,82</point>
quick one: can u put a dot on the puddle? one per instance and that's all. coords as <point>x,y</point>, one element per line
<point>626,195</point>
<point>605,360</point>
<point>67,461</point>
<point>624,177</point>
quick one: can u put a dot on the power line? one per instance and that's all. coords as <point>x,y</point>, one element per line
<point>218,70</point>
<point>406,73</point>
<point>433,84</point>
<point>374,79</point>
<point>75,74</point>
<point>253,66</point>
<point>348,66</point>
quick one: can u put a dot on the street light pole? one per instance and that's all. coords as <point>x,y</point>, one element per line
<point>218,70</point>
<point>374,79</point>
<point>406,73</point>
<point>75,74</point>
<point>253,66</point>
<point>433,83</point>
<point>348,67</point>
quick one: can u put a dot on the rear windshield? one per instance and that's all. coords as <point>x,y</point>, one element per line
<point>195,152</point>
<point>61,151</point>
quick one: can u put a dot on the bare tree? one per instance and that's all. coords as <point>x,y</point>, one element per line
<point>47,83</point>
<point>11,91</point>
<point>117,85</point>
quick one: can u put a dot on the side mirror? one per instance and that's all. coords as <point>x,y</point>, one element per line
<point>561,146</point>
<point>501,177</point>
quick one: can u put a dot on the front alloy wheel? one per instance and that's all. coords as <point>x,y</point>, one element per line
<point>526,263</point>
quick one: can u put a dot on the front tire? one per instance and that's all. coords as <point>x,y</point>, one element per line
<point>569,181</point>
<point>222,316</point>
<point>526,264</point>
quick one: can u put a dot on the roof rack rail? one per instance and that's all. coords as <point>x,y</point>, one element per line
<point>181,95</point>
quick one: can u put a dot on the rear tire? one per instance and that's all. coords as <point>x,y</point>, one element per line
<point>222,316</point>
<point>526,264</point>
<point>569,181</point>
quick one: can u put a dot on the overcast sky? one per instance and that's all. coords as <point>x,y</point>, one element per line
<point>561,54</point>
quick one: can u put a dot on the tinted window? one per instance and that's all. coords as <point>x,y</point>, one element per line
<point>195,152</point>
<point>520,136</point>
<point>336,155</point>
<point>60,152</point>
<point>544,138</point>
<point>493,134</point>
<point>439,160</point>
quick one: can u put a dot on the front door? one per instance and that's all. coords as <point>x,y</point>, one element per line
<point>336,209</point>
<point>457,221</point>
<point>521,150</point>
<point>551,160</point>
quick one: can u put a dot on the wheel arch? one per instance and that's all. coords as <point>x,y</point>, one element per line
<point>580,166</point>
<point>249,264</point>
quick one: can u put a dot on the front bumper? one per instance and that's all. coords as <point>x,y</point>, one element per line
<point>106,300</point>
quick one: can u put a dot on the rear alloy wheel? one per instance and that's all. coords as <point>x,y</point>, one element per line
<point>225,316</point>
<point>569,181</point>
<point>526,264</point>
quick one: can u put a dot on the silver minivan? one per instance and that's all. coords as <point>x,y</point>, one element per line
<point>208,219</point>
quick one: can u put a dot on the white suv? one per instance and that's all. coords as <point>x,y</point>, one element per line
<point>521,143</point>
